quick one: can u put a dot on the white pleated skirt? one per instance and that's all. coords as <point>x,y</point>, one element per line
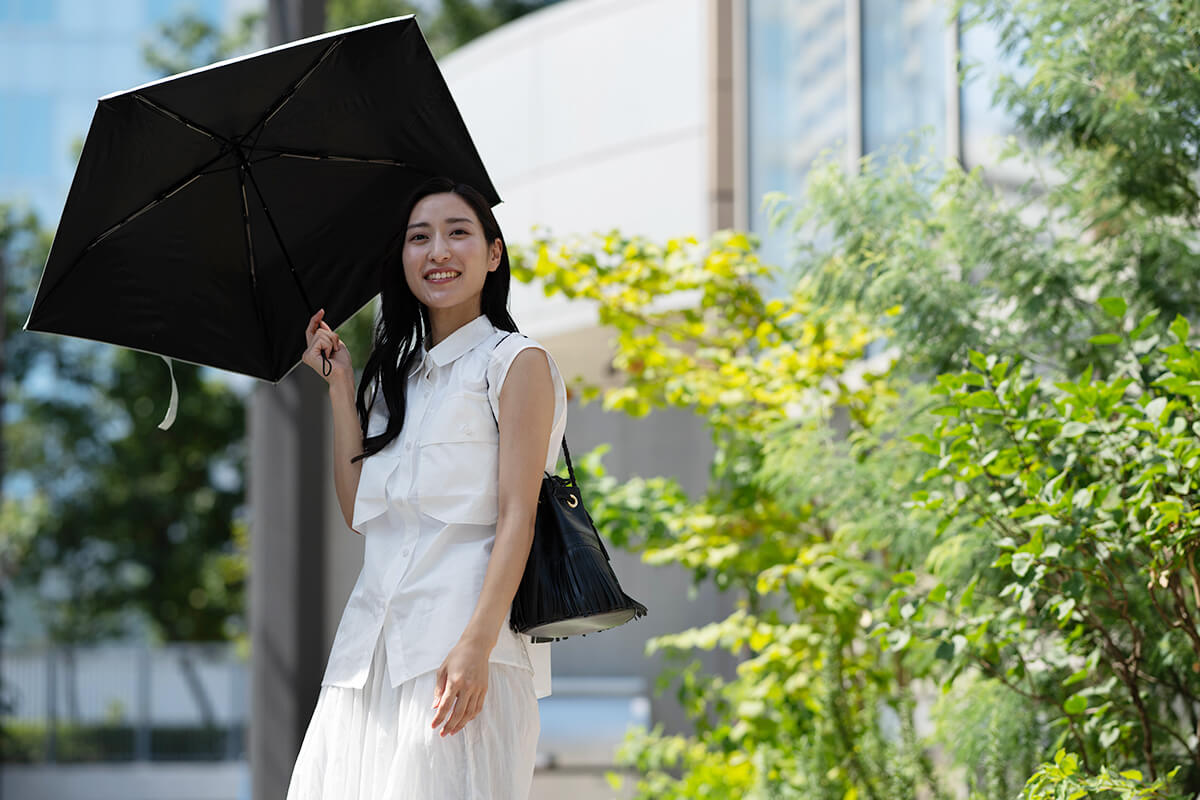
<point>377,743</point>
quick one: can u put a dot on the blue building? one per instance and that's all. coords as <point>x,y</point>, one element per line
<point>57,57</point>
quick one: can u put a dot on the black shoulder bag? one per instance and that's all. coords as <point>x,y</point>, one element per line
<point>569,587</point>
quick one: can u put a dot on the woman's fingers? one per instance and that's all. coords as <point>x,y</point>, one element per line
<point>456,706</point>
<point>448,701</point>
<point>473,709</point>
<point>314,322</point>
<point>466,709</point>
<point>326,342</point>
<point>317,326</point>
<point>459,717</point>
<point>322,344</point>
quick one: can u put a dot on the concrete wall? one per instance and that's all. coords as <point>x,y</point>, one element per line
<point>590,115</point>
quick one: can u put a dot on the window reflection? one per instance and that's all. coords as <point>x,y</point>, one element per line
<point>27,12</point>
<point>25,130</point>
<point>984,124</point>
<point>904,72</point>
<point>796,71</point>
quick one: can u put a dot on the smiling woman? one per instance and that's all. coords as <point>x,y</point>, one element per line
<point>447,259</point>
<point>438,460</point>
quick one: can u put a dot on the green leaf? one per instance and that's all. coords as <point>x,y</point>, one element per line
<point>1075,704</point>
<point>1110,735</point>
<point>1144,325</point>
<point>1155,407</point>
<point>1180,329</point>
<point>981,399</point>
<point>1132,774</point>
<point>1073,429</point>
<point>1076,677</point>
<point>1082,498</point>
<point>1113,306</point>
<point>1021,562</point>
<point>1106,339</point>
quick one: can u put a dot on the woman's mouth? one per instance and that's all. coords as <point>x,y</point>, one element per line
<point>442,276</point>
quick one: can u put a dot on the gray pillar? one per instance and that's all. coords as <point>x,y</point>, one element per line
<point>287,492</point>
<point>288,20</point>
<point>287,587</point>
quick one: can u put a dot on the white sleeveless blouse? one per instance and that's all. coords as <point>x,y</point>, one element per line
<point>427,507</point>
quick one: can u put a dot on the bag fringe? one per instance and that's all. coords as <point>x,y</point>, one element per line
<point>581,584</point>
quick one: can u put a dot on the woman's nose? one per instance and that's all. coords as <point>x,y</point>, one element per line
<point>439,252</point>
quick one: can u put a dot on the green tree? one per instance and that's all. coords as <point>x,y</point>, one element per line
<point>1082,590</point>
<point>448,25</point>
<point>1012,538</point>
<point>115,517</point>
<point>191,41</point>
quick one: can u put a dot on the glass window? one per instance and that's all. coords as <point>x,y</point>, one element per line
<point>984,124</point>
<point>904,72</point>
<point>25,135</point>
<point>796,74</point>
<point>28,12</point>
<point>35,12</point>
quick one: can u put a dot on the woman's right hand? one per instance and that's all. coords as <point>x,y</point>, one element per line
<point>320,338</point>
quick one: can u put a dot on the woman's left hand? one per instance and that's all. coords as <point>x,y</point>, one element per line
<point>462,683</point>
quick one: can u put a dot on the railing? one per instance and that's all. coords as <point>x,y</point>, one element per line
<point>176,702</point>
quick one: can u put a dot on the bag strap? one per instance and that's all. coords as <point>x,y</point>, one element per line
<point>566,451</point>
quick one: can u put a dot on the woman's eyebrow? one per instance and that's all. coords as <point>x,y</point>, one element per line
<point>449,221</point>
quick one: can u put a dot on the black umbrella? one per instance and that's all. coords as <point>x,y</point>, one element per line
<point>214,211</point>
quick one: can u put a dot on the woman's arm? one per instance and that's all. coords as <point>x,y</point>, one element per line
<point>527,416</point>
<point>347,434</point>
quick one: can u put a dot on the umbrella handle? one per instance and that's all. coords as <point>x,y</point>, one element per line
<point>326,367</point>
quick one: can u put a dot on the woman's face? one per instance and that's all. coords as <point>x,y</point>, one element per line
<point>447,256</point>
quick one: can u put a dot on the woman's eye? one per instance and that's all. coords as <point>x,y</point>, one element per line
<point>457,230</point>
<point>417,236</point>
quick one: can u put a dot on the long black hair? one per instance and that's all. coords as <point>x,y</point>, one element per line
<point>404,320</point>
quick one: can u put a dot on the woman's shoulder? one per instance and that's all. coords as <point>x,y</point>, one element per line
<point>508,346</point>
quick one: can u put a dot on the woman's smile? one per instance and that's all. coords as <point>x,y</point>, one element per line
<point>441,276</point>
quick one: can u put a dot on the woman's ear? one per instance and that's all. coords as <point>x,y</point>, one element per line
<point>494,253</point>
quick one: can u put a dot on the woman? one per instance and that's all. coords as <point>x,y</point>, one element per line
<point>437,462</point>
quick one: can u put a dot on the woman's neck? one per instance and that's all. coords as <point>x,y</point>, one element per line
<point>445,321</point>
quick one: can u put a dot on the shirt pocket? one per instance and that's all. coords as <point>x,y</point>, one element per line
<point>458,470</point>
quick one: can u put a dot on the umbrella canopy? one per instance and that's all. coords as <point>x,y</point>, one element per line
<point>213,212</point>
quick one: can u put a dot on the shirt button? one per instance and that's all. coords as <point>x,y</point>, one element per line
<point>408,445</point>
<point>405,552</point>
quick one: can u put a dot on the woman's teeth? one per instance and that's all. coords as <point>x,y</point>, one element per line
<point>440,276</point>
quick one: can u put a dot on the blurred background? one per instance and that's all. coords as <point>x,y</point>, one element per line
<point>169,597</point>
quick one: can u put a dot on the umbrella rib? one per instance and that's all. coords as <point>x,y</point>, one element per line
<point>278,238</point>
<point>196,126</point>
<point>249,239</point>
<point>282,100</point>
<point>387,162</point>
<point>249,236</point>
<point>178,187</point>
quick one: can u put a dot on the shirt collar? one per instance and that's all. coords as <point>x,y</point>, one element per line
<point>461,341</point>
